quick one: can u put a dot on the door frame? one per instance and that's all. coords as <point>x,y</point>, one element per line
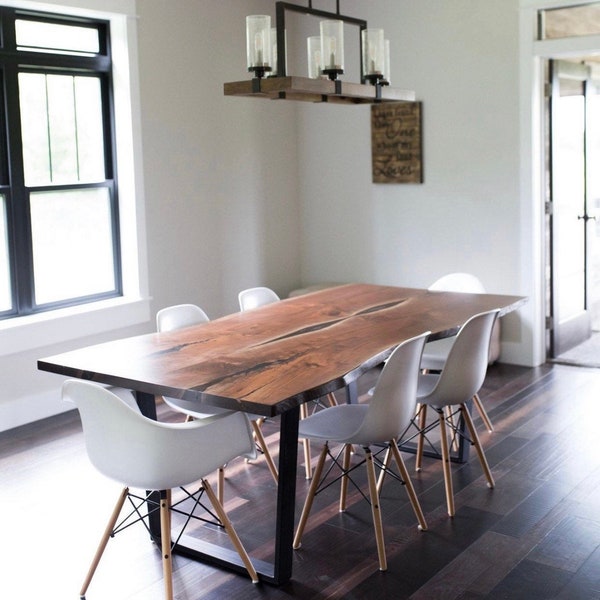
<point>532,56</point>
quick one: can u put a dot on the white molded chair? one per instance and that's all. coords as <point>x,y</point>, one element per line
<point>256,296</point>
<point>141,453</point>
<point>259,296</point>
<point>460,380</point>
<point>186,315</point>
<point>381,421</point>
<point>436,352</point>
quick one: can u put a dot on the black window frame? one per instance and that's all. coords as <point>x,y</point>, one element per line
<point>12,183</point>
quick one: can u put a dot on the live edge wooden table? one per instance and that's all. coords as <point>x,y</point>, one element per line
<point>269,361</point>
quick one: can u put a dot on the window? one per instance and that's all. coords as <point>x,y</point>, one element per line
<point>572,21</point>
<point>59,225</point>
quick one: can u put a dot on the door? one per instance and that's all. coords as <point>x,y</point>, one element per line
<point>572,204</point>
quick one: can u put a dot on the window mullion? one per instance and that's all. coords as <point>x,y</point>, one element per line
<point>19,223</point>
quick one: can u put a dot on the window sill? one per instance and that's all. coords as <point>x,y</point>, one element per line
<point>45,329</point>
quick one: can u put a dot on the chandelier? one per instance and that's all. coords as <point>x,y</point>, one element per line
<point>266,54</point>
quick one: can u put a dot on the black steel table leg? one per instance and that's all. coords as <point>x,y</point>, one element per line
<point>286,495</point>
<point>147,405</point>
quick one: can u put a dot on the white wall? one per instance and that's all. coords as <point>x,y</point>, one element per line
<point>220,172</point>
<point>462,59</point>
<point>241,192</point>
<point>219,180</point>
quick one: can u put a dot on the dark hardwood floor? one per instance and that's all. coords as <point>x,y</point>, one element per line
<point>535,536</point>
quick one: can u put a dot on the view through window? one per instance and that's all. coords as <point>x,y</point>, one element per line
<point>58,212</point>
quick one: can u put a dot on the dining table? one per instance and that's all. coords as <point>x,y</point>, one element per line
<point>269,361</point>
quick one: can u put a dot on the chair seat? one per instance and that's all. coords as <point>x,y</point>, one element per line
<point>335,424</point>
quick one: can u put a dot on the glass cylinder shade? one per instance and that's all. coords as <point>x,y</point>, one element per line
<point>258,42</point>
<point>332,45</point>
<point>386,61</point>
<point>372,52</point>
<point>315,64</point>
<point>274,56</point>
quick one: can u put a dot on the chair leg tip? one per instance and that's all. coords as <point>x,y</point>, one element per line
<point>297,546</point>
<point>491,485</point>
<point>421,528</point>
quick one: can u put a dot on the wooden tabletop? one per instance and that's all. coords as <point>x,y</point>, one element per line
<point>270,359</point>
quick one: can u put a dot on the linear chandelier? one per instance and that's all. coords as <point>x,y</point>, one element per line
<point>267,59</point>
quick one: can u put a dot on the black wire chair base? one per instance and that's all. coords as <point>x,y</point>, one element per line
<point>151,502</point>
<point>407,442</point>
<point>335,462</point>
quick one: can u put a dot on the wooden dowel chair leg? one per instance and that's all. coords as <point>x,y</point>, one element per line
<point>332,399</point>
<point>344,483</point>
<point>455,437</point>
<point>477,443</point>
<point>306,444</point>
<point>386,464</point>
<point>446,465</point>
<point>235,540</point>
<point>422,421</point>
<point>165,541</point>
<point>376,510</point>
<point>409,486</point>
<point>266,453</point>
<point>314,484</point>
<point>483,413</point>
<point>104,540</point>
<point>221,484</point>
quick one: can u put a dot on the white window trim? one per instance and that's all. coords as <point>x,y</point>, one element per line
<point>20,334</point>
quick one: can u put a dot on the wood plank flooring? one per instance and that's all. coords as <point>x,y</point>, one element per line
<point>535,536</point>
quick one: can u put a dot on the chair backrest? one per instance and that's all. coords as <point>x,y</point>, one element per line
<point>467,283</point>
<point>458,282</point>
<point>179,316</point>
<point>258,296</point>
<point>466,365</point>
<point>139,452</point>
<point>395,394</point>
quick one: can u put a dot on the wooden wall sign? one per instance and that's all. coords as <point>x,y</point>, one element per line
<point>396,142</point>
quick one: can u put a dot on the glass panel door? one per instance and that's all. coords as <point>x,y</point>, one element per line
<point>572,220</point>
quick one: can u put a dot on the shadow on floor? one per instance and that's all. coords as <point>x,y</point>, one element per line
<point>586,354</point>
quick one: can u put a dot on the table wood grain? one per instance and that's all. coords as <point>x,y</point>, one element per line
<point>270,359</point>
